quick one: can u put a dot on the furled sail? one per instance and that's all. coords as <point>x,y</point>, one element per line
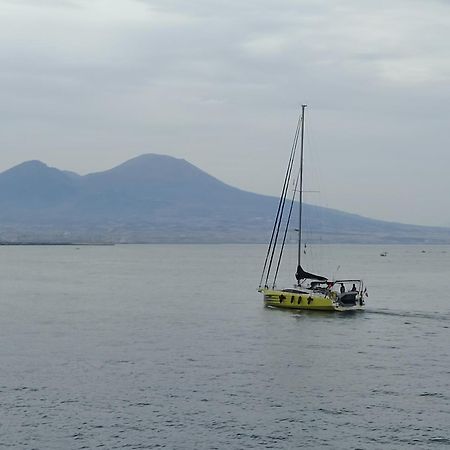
<point>302,275</point>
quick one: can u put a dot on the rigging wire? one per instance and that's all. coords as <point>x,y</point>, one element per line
<point>320,252</point>
<point>278,225</point>
<point>286,230</point>
<point>279,215</point>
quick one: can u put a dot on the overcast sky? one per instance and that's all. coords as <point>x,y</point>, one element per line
<point>87,84</point>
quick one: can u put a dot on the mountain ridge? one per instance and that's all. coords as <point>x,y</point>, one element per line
<point>158,198</point>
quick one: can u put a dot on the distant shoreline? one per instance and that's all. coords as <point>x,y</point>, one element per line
<point>162,242</point>
<point>76,244</point>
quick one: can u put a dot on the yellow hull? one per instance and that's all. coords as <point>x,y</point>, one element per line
<point>305,301</point>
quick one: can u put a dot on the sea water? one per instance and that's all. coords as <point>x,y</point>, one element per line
<point>155,346</point>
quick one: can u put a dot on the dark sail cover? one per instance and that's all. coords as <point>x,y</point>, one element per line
<point>302,275</point>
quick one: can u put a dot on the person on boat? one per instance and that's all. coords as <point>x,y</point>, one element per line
<point>354,287</point>
<point>342,288</point>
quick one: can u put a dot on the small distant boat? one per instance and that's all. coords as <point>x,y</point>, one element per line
<point>310,291</point>
<point>383,254</point>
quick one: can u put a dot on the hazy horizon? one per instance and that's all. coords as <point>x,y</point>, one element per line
<point>90,84</point>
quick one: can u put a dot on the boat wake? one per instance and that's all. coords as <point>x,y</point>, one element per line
<point>411,314</point>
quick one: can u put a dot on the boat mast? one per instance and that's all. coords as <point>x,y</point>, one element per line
<point>301,193</point>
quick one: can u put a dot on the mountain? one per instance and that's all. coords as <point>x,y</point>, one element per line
<point>34,185</point>
<point>157,198</point>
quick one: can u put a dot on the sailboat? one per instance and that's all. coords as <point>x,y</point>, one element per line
<point>310,291</point>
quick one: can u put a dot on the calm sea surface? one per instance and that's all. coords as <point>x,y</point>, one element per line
<point>158,346</point>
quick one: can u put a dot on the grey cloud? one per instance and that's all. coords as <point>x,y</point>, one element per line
<point>43,3</point>
<point>219,83</point>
